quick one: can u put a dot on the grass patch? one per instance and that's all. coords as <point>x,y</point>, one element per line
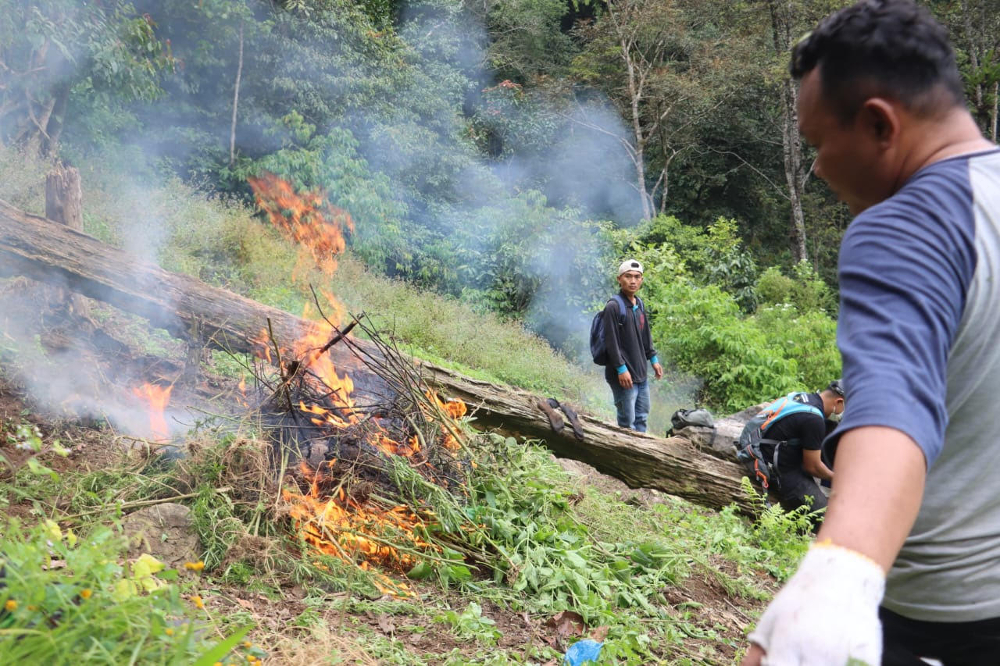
<point>530,544</point>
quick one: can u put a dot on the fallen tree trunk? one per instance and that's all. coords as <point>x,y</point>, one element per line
<point>34,247</point>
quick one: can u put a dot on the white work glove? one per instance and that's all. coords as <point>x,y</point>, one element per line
<point>827,614</point>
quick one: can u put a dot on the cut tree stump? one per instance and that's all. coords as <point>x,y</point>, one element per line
<point>64,204</point>
<point>33,247</point>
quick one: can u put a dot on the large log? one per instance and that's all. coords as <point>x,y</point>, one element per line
<point>34,247</point>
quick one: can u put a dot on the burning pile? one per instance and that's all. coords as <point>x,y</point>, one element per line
<point>357,455</point>
<point>352,494</point>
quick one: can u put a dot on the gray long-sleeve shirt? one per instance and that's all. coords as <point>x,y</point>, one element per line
<point>629,345</point>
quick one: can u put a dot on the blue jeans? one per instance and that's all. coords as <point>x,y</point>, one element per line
<point>632,405</point>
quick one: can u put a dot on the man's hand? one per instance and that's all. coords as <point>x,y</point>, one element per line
<point>880,482</point>
<point>658,370</point>
<point>625,380</point>
<point>826,615</point>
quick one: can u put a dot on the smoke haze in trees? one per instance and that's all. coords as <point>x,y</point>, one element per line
<point>482,205</point>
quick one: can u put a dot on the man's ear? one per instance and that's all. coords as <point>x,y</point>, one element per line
<point>879,117</point>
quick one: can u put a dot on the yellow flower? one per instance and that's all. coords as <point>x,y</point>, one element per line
<point>247,644</point>
<point>168,631</point>
<point>86,593</point>
<point>11,605</point>
<point>194,566</point>
<point>196,600</point>
<point>218,663</point>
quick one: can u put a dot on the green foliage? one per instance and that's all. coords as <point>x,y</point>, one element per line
<point>526,37</point>
<point>63,60</point>
<point>700,326</point>
<point>331,162</point>
<point>712,256</point>
<point>804,290</point>
<point>527,260</point>
<point>67,600</point>
<point>470,623</point>
<point>785,534</point>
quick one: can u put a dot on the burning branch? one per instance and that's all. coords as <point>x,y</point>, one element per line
<point>357,493</point>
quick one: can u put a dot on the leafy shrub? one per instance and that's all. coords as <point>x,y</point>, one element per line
<point>712,256</point>
<point>774,287</point>
<point>67,600</point>
<point>743,359</point>
<point>806,291</point>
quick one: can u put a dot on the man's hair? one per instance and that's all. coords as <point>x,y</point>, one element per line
<point>836,386</point>
<point>884,48</point>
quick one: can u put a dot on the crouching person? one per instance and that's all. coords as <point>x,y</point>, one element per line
<point>782,446</point>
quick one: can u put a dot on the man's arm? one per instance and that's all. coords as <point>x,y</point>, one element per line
<point>810,430</point>
<point>880,482</point>
<point>813,465</point>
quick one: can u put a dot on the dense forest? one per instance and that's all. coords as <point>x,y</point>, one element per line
<point>504,152</point>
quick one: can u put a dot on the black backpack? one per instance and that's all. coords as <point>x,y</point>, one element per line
<point>598,344</point>
<point>759,465</point>
<point>683,418</point>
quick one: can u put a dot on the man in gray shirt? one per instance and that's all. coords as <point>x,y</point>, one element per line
<point>907,563</point>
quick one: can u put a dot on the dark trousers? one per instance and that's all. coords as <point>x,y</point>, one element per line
<point>952,643</point>
<point>795,487</point>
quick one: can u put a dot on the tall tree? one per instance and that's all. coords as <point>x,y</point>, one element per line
<point>661,65</point>
<point>784,20</point>
<point>975,31</point>
<point>53,52</point>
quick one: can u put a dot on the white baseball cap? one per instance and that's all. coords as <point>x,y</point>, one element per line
<point>630,265</point>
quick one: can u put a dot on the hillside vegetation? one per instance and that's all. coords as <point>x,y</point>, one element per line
<point>490,162</point>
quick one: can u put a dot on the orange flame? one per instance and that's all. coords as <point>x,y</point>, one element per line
<point>342,527</point>
<point>156,398</point>
<point>306,217</point>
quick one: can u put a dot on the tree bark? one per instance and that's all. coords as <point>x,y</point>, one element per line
<point>791,143</point>
<point>64,197</point>
<point>996,109</point>
<point>236,102</point>
<point>64,204</point>
<point>35,248</point>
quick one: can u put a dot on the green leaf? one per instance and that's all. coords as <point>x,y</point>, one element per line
<point>420,571</point>
<point>39,469</point>
<point>223,648</point>
<point>460,573</point>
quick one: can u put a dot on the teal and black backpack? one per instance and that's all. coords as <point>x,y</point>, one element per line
<point>764,469</point>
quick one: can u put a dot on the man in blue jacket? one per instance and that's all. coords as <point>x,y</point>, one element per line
<point>907,564</point>
<point>630,345</point>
